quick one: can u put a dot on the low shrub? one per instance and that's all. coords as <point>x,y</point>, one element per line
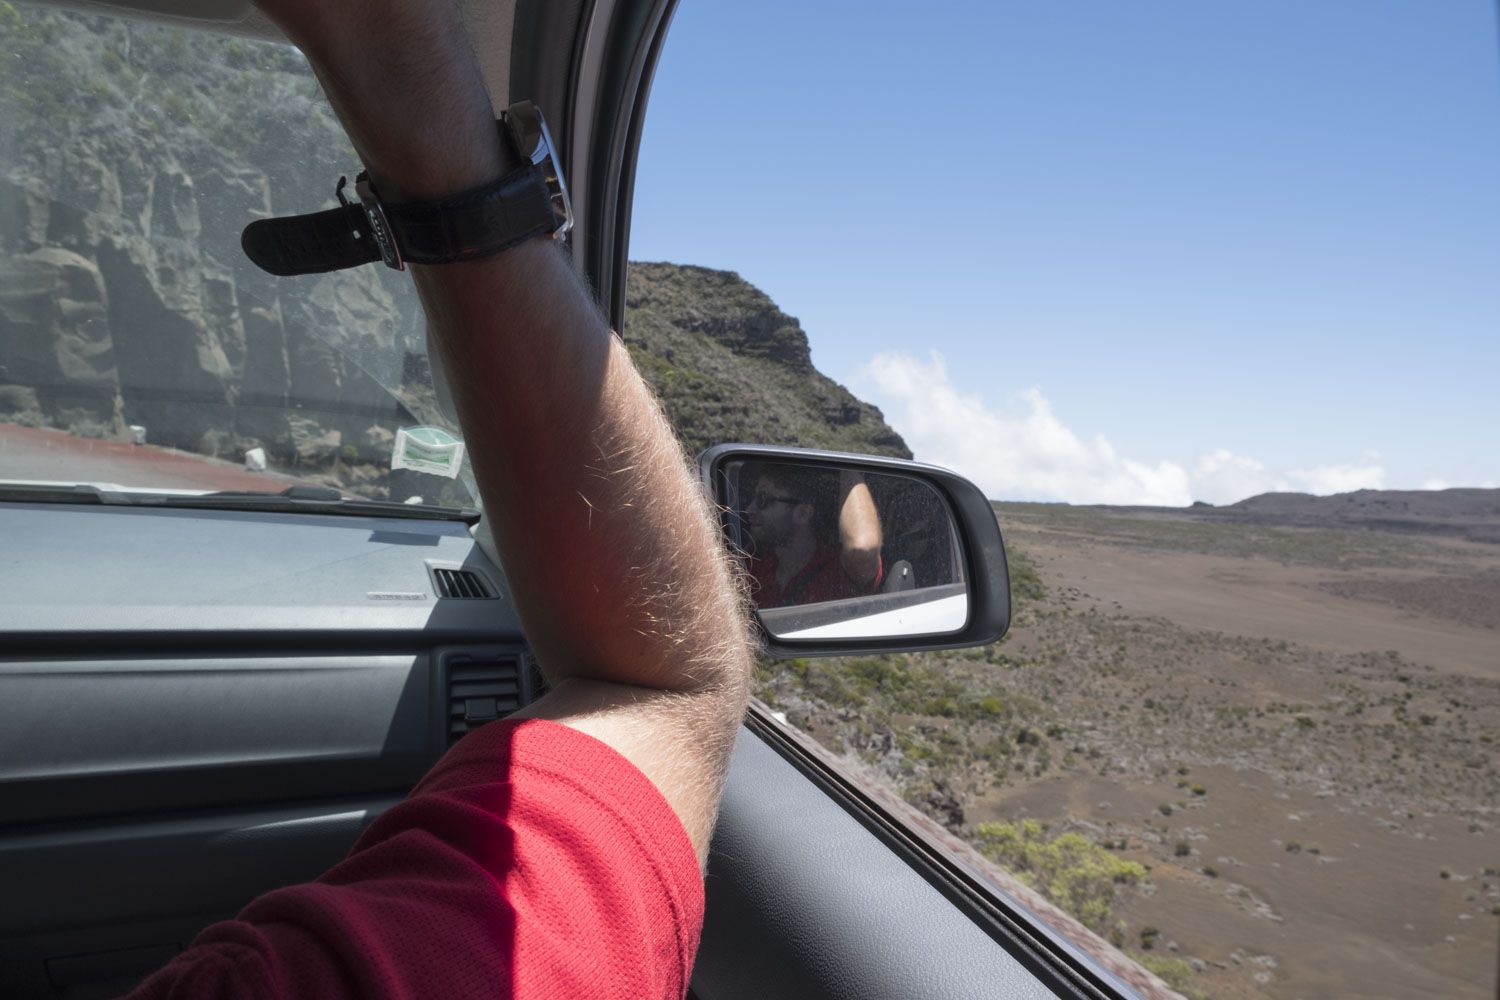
<point>1075,873</point>
<point>1175,972</point>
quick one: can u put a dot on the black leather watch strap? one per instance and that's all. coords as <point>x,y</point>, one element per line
<point>474,224</point>
<point>311,244</point>
<point>466,226</point>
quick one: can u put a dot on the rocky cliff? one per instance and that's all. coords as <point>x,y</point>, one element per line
<point>730,366</point>
<point>132,155</point>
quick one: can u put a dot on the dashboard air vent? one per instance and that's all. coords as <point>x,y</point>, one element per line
<point>460,584</point>
<point>480,691</point>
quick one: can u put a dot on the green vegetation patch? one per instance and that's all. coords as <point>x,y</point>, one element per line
<point>1175,972</point>
<point>1026,584</point>
<point>1069,869</point>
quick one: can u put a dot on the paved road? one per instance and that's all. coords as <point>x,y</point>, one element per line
<point>29,453</point>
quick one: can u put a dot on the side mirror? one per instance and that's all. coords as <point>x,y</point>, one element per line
<point>857,554</point>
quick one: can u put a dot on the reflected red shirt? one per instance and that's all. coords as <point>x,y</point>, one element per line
<point>822,579</point>
<point>532,861</point>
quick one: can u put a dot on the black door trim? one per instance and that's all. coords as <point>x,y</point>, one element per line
<point>1052,959</point>
<point>599,154</point>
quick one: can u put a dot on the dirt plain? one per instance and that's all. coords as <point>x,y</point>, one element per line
<point>1296,726</point>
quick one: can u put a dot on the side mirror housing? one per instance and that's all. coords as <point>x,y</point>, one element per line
<point>851,554</point>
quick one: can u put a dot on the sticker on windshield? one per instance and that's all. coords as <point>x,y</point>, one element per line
<point>428,449</point>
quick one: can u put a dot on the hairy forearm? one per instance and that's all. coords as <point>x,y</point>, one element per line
<point>606,537</point>
<point>860,535</point>
<point>403,79</point>
<point>612,557</point>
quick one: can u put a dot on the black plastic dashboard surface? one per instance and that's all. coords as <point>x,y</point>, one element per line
<point>167,659</point>
<point>199,705</point>
<point>183,658</point>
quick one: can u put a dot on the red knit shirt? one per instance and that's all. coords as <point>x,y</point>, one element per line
<point>821,579</point>
<point>532,861</point>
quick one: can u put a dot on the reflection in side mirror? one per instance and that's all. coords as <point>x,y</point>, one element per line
<point>835,551</point>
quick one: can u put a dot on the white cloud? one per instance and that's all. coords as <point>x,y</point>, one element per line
<point>1024,451</point>
<point>1325,479</point>
<point>1224,477</point>
<point>1443,484</point>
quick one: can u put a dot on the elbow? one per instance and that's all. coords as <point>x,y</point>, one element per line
<point>862,564</point>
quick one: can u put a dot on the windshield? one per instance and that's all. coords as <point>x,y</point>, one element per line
<point>139,348</point>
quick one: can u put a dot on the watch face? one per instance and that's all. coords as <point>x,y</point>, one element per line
<point>529,129</point>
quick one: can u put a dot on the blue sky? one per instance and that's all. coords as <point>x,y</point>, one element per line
<point>1112,252</point>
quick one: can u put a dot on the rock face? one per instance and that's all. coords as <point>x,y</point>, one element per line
<point>129,309</point>
<point>721,306</point>
<point>59,352</point>
<point>132,155</point>
<point>730,366</point>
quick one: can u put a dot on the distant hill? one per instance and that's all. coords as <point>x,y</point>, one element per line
<point>1468,513</point>
<point>1472,514</point>
<point>1454,504</point>
<point>731,366</point>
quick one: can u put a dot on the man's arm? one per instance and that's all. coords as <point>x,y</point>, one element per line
<point>615,564</point>
<point>860,535</point>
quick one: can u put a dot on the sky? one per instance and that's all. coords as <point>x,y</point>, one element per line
<point>1103,252</point>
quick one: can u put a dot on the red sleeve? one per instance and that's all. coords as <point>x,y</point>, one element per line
<point>532,861</point>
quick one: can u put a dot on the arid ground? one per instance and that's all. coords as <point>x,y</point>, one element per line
<point>1294,728</point>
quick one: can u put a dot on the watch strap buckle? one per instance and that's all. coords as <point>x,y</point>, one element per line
<point>378,222</point>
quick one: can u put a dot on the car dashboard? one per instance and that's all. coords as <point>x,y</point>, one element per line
<point>200,705</point>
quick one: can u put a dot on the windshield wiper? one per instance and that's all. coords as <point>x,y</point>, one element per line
<point>323,500</point>
<point>60,493</point>
<point>293,499</point>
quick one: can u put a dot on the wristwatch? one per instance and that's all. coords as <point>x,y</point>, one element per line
<point>528,202</point>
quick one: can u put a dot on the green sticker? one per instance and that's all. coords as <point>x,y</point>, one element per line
<point>428,449</point>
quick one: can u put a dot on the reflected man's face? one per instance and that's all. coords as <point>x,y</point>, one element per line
<point>768,514</point>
